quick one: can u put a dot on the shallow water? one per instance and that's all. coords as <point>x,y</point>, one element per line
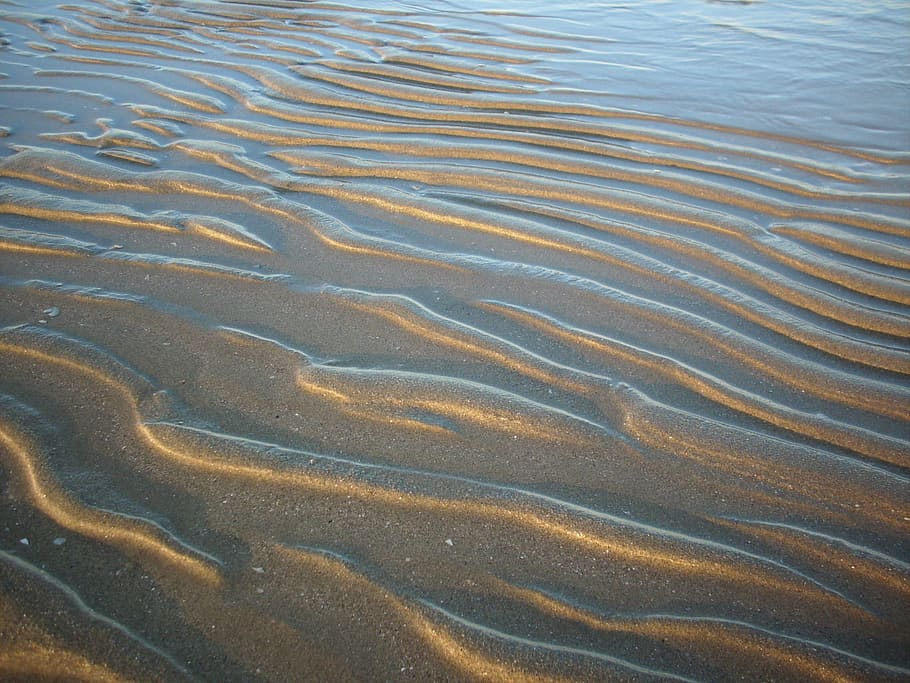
<point>454,340</point>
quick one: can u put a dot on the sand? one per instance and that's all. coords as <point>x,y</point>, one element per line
<point>363,341</point>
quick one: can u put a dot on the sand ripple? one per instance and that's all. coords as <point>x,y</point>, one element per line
<point>346,342</point>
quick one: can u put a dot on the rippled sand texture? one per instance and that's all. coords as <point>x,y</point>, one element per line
<point>447,343</point>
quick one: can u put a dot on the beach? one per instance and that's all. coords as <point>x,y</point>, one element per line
<point>454,341</point>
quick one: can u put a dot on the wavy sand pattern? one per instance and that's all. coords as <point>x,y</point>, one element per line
<point>364,341</point>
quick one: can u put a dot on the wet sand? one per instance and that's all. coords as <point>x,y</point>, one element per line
<point>366,342</point>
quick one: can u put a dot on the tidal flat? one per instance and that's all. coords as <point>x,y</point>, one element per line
<point>454,340</point>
